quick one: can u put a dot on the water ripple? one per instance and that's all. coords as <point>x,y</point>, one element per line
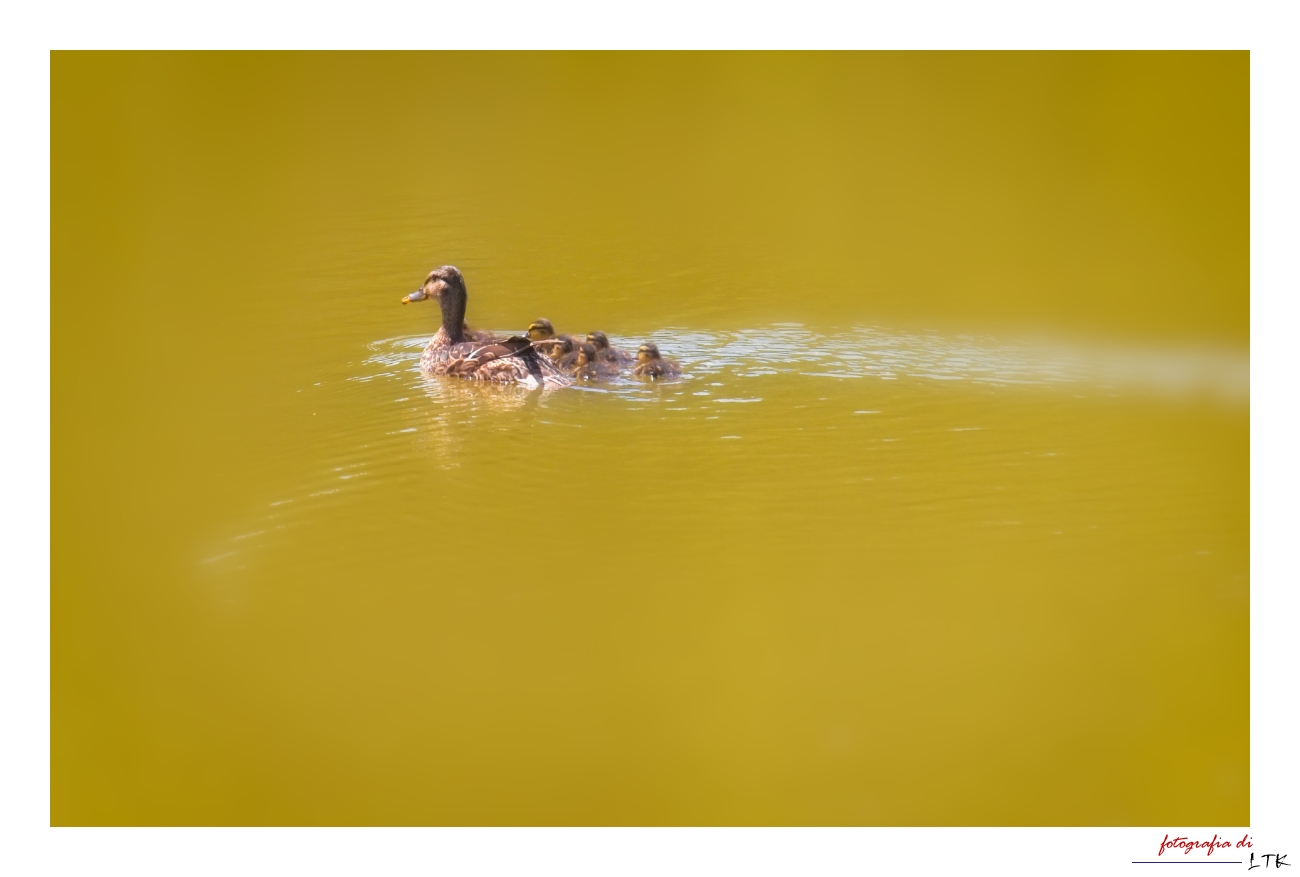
<point>381,436</point>
<point>876,353</point>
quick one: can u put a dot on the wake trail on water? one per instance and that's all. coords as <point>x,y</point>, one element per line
<point>873,353</point>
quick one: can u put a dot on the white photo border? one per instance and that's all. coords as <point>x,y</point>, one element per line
<point>1267,30</point>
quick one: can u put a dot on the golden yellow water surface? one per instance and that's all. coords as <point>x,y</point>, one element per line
<point>946,524</point>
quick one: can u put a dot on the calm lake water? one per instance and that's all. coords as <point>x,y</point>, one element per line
<point>946,523</point>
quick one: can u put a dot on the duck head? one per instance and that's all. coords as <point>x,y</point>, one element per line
<point>598,340</point>
<point>447,286</point>
<point>439,281</point>
<point>647,352</point>
<point>586,355</point>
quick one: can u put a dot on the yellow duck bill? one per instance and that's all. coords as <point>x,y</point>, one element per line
<point>418,295</point>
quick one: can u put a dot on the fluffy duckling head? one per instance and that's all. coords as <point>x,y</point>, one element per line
<point>598,340</point>
<point>560,349</point>
<point>647,352</point>
<point>586,355</point>
<point>541,330</point>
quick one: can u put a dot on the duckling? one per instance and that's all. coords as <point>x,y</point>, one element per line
<point>607,353</point>
<point>563,352</point>
<point>588,367</point>
<point>546,342</point>
<point>650,365</point>
<point>560,349</point>
<point>542,330</point>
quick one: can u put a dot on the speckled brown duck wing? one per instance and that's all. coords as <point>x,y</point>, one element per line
<point>513,361</point>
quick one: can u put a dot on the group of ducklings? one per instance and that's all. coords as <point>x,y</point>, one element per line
<point>594,359</point>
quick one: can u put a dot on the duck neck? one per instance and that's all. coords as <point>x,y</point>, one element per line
<point>453,303</point>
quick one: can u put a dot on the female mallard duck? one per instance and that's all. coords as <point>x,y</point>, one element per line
<point>650,365</point>
<point>457,352</point>
<point>606,353</point>
<point>588,366</point>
